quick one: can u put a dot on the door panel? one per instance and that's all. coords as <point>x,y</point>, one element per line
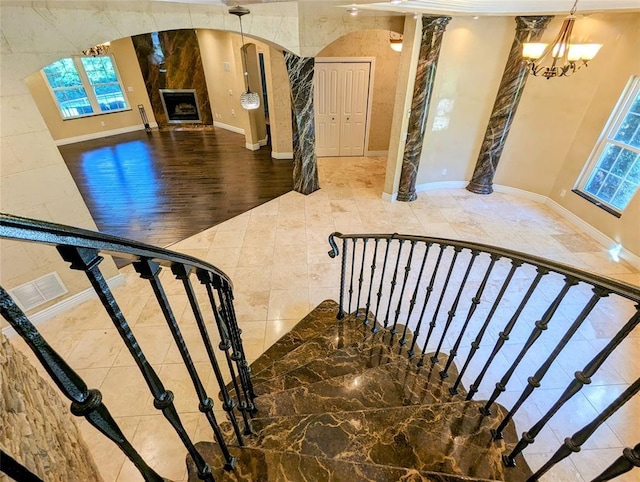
<point>341,99</point>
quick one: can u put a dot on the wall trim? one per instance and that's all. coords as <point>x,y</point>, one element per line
<point>252,147</point>
<point>64,305</point>
<point>376,153</point>
<point>431,186</point>
<point>101,134</point>
<point>389,197</point>
<point>228,127</point>
<point>282,155</point>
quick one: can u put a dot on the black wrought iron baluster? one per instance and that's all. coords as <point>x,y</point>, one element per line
<point>372,275</point>
<point>150,270</point>
<point>414,297</point>
<point>333,252</point>
<point>539,327</point>
<point>379,294</point>
<point>85,402</point>
<point>353,268</point>
<point>475,345</point>
<point>475,301</point>
<point>454,305</point>
<point>183,272</point>
<point>535,381</point>
<point>88,260</point>
<point>445,286</point>
<point>394,281</point>
<point>227,312</point>
<point>225,346</point>
<point>504,334</point>
<point>572,444</point>
<point>427,296</point>
<point>361,280</point>
<point>629,459</point>
<point>407,270</point>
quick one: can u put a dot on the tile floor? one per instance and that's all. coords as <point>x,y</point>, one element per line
<point>276,255</point>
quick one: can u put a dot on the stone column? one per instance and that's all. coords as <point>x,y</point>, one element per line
<point>514,78</point>
<point>432,32</point>
<point>305,163</point>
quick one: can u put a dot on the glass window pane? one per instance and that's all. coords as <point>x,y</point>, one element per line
<point>624,162</point>
<point>73,102</point>
<point>62,73</point>
<point>595,182</point>
<point>624,195</point>
<point>99,69</point>
<point>110,97</point>
<point>608,156</point>
<point>628,128</point>
<point>609,188</point>
<point>634,172</point>
<point>635,106</point>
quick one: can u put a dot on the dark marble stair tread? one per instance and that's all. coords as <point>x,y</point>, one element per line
<point>322,316</point>
<point>374,351</point>
<point>395,384</point>
<point>258,465</point>
<point>450,438</point>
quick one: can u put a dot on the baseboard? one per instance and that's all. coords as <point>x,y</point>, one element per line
<point>264,142</point>
<point>282,155</point>
<point>252,147</point>
<point>64,305</point>
<point>376,153</point>
<point>431,186</point>
<point>533,196</point>
<point>101,134</point>
<point>389,197</point>
<point>227,127</point>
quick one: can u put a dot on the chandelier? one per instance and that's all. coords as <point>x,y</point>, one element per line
<point>248,100</point>
<point>100,49</point>
<point>560,58</point>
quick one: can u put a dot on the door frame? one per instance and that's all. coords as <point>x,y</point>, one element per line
<point>372,64</point>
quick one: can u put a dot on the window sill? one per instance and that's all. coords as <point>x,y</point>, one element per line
<point>96,114</point>
<point>600,204</point>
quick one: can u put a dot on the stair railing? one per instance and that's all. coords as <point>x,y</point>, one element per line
<point>83,249</point>
<point>441,278</point>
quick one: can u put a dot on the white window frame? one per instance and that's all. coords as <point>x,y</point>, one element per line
<point>607,137</point>
<point>89,89</point>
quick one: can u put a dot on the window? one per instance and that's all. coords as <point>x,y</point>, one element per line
<point>612,175</point>
<point>85,86</point>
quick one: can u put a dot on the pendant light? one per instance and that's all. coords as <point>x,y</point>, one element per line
<point>248,100</point>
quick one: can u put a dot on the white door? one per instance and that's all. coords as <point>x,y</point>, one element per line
<point>341,101</point>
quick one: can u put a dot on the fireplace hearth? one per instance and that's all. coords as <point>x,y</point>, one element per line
<point>180,106</point>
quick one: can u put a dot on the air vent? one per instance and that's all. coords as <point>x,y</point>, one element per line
<point>39,291</point>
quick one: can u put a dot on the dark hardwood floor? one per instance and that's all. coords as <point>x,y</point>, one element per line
<point>163,187</point>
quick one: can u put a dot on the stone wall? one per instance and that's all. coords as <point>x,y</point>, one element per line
<point>36,427</point>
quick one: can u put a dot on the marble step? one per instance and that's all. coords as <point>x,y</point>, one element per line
<point>451,438</point>
<point>374,351</point>
<point>271,466</point>
<point>394,384</point>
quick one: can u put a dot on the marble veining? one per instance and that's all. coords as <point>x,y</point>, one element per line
<point>514,78</point>
<point>432,33</point>
<point>305,163</point>
<point>268,465</point>
<point>393,384</point>
<point>448,438</point>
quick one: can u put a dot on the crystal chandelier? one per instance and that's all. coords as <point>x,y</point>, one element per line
<point>561,58</point>
<point>100,49</point>
<point>248,100</point>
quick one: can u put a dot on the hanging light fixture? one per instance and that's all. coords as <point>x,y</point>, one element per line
<point>100,49</point>
<point>561,58</point>
<point>395,41</point>
<point>248,100</point>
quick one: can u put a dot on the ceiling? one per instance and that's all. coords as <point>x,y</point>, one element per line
<point>459,7</point>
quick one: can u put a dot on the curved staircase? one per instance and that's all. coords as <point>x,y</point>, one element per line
<point>338,402</point>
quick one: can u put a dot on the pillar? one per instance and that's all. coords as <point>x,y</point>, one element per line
<point>514,78</point>
<point>432,33</point>
<point>305,162</point>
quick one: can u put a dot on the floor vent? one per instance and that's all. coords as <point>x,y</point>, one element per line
<point>39,291</point>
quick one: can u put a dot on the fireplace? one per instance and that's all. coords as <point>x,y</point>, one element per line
<point>180,106</point>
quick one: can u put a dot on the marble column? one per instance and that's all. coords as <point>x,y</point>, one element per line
<point>514,78</point>
<point>305,163</point>
<point>432,33</point>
